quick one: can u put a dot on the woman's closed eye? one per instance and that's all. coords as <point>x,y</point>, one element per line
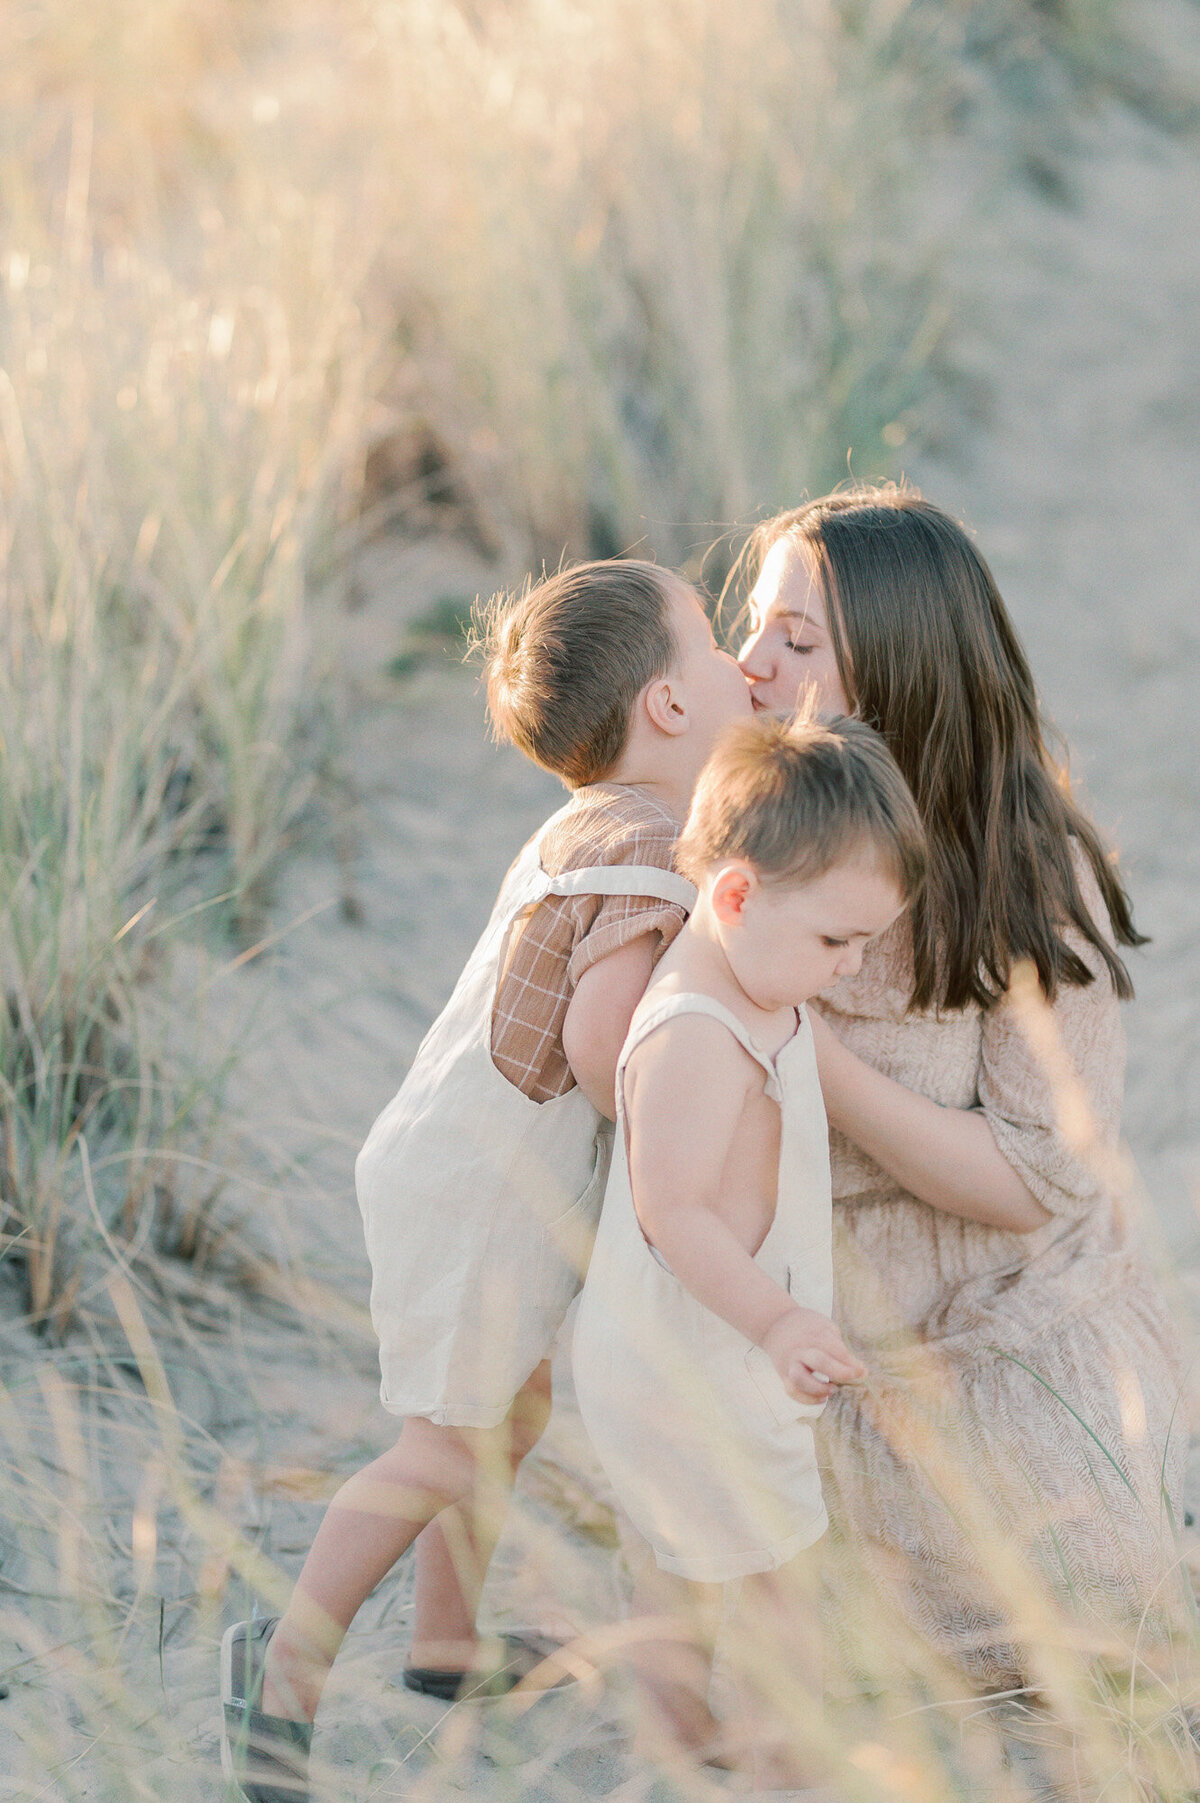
<point>799,647</point>
<point>833,944</point>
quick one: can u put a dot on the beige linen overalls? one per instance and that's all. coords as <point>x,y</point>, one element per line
<point>479,1204</point>
<point>710,1457</point>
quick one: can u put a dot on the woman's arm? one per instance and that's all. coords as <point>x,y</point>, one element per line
<point>947,1157</point>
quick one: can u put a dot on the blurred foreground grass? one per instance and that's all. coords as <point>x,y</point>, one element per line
<point>273,277</point>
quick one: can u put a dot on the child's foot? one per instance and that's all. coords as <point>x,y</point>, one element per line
<point>264,1756</point>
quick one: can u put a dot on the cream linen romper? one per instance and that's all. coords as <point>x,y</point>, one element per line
<point>710,1457</point>
<point>479,1204</point>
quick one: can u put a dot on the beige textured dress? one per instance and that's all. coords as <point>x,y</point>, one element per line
<point>1024,1389</point>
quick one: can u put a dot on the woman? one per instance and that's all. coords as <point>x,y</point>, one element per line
<point>1023,1412</point>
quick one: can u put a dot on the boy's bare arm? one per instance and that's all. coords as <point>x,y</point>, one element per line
<point>598,1017</point>
<point>685,1090</point>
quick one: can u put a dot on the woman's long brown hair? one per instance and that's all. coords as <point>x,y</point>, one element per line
<point>929,657</point>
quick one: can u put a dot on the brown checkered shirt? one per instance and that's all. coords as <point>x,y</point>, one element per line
<point>606,823</point>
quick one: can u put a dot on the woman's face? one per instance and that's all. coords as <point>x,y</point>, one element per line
<point>789,650</point>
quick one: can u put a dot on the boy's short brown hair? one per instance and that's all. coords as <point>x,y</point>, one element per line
<point>791,796</point>
<point>565,660</point>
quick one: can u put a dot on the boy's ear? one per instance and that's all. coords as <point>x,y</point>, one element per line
<point>665,706</point>
<point>734,885</point>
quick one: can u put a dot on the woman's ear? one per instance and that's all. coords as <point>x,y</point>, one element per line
<point>731,890</point>
<point>665,706</point>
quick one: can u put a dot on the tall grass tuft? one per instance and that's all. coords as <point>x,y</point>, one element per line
<point>662,268</point>
<point>183,371</point>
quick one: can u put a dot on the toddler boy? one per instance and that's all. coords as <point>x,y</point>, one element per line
<point>703,1345</point>
<point>480,1183</point>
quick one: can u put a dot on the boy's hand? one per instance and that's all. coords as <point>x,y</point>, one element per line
<point>810,1354</point>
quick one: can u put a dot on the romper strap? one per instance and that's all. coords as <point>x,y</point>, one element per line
<point>625,879</point>
<point>530,885</point>
<point>649,1019</point>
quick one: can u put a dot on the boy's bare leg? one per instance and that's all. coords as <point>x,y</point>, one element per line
<point>672,1664</point>
<point>772,1643</point>
<point>673,1626</point>
<point>454,1551</point>
<point>373,1519</point>
<point>773,1646</point>
<point>447,1581</point>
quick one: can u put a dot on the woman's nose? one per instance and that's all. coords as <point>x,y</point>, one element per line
<point>753,658</point>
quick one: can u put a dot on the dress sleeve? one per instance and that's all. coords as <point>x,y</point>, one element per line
<point>1060,1151</point>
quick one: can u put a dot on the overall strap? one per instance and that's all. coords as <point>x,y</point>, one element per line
<point>529,884</point>
<point>651,1015</point>
<point>625,879</point>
